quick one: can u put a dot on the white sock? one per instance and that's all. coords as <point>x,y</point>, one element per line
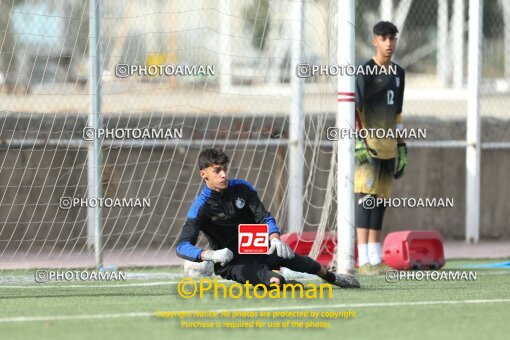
<point>362,254</point>
<point>374,253</point>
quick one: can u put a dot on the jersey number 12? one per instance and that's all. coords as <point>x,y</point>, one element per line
<point>389,97</point>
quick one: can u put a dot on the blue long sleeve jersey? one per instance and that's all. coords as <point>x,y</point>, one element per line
<point>218,215</point>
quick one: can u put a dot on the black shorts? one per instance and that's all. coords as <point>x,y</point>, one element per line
<point>368,217</point>
<point>259,268</point>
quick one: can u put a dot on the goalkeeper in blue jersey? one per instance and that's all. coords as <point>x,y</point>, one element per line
<point>218,210</point>
<point>379,100</point>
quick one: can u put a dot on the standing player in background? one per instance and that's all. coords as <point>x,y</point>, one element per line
<point>218,210</point>
<point>379,99</point>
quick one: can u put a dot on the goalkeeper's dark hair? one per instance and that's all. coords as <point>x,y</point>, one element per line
<point>212,156</point>
<point>385,28</point>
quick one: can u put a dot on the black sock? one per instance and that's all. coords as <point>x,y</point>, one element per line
<point>330,277</point>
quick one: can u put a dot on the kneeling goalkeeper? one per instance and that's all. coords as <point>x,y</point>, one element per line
<point>218,210</point>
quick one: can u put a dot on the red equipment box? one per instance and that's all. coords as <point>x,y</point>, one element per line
<point>414,249</point>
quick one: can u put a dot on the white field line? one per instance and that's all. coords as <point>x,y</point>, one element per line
<point>346,305</point>
<point>92,285</point>
<point>163,283</point>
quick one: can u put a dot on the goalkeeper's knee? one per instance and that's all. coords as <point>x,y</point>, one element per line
<point>274,278</point>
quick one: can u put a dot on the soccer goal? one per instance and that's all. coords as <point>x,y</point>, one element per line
<point>104,114</point>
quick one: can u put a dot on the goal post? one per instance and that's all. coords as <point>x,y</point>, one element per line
<point>473,125</point>
<point>94,161</point>
<point>345,151</point>
<point>296,124</point>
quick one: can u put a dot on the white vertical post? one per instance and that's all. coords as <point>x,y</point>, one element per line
<point>94,214</point>
<point>442,42</point>
<point>226,63</point>
<point>296,124</point>
<point>386,10</point>
<point>506,20</point>
<point>345,120</point>
<point>473,148</point>
<point>457,43</point>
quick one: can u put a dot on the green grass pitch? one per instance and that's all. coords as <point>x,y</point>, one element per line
<point>125,310</point>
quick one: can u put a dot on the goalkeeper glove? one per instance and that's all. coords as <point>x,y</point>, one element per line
<point>282,249</point>
<point>222,256</point>
<point>402,161</point>
<point>361,152</point>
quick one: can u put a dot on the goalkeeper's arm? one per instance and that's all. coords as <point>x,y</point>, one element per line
<point>402,161</point>
<point>186,242</point>
<point>186,246</point>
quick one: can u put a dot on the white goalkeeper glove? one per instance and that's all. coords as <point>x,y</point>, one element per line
<point>222,256</point>
<point>282,249</point>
